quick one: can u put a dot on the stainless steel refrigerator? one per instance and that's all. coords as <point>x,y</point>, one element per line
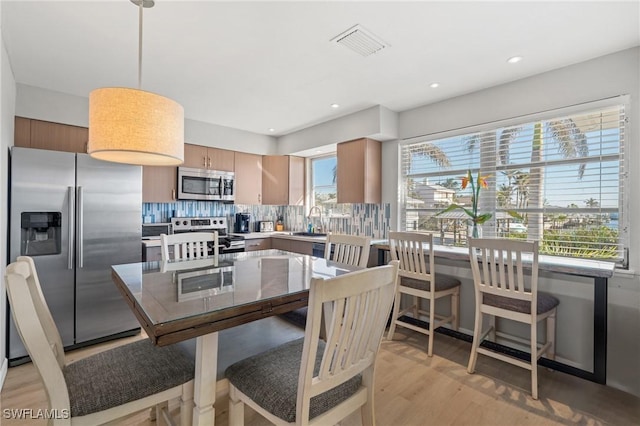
<point>76,217</point>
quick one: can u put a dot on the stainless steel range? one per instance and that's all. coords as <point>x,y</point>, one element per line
<point>228,243</point>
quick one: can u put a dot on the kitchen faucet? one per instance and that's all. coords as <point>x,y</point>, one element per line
<point>320,212</point>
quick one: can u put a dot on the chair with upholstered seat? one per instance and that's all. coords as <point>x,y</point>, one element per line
<point>188,245</point>
<point>351,250</point>
<point>348,249</point>
<point>103,387</point>
<point>500,289</point>
<point>419,280</point>
<point>310,381</point>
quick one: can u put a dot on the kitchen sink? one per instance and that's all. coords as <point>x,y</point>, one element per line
<point>309,234</point>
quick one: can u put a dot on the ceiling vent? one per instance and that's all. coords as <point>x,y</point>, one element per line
<point>360,41</point>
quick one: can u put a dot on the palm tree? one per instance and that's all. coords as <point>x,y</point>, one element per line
<point>592,203</point>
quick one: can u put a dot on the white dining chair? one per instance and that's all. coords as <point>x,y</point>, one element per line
<point>103,387</point>
<point>316,382</point>
<point>188,245</point>
<point>348,249</point>
<point>418,279</point>
<point>501,290</point>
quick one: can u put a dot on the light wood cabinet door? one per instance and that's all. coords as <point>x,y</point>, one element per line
<point>296,181</point>
<point>359,171</point>
<point>302,247</point>
<point>195,156</point>
<point>248,178</point>
<point>280,244</point>
<point>22,132</point>
<point>257,244</point>
<point>203,157</point>
<point>159,184</point>
<point>275,179</point>
<point>282,180</point>
<point>221,159</point>
<point>38,134</point>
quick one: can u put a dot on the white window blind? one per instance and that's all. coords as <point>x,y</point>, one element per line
<point>564,175</point>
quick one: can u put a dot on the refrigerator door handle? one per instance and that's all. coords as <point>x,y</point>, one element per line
<point>71,195</point>
<point>80,229</point>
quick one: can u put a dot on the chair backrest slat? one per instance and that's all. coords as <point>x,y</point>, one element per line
<point>190,245</point>
<point>498,266</point>
<point>361,302</point>
<point>414,251</point>
<point>348,249</point>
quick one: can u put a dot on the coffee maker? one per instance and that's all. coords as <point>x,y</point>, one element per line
<point>242,223</point>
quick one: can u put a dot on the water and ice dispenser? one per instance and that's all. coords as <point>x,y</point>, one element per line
<point>41,233</point>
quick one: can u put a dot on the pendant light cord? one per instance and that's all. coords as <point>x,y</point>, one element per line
<point>140,46</point>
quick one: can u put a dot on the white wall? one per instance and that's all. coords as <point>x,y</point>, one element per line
<point>600,78</point>
<point>377,122</point>
<point>58,107</point>
<point>7,106</point>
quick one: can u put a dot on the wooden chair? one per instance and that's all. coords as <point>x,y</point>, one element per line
<point>418,278</point>
<point>499,282</point>
<point>348,249</point>
<point>189,245</point>
<point>103,387</point>
<point>308,381</point>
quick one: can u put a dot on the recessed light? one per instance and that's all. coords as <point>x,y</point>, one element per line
<point>318,151</point>
<point>335,106</point>
<point>272,129</point>
<point>434,85</point>
<point>514,59</point>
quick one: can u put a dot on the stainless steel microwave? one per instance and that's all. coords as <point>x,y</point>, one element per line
<point>203,184</point>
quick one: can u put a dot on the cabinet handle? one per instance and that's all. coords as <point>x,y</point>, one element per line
<point>204,161</point>
<point>259,198</point>
<point>208,161</point>
<point>173,194</point>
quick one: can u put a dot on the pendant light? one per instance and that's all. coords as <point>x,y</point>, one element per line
<point>134,126</point>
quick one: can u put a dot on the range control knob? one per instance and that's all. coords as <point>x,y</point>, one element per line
<point>177,223</point>
<point>215,221</point>
<point>184,222</point>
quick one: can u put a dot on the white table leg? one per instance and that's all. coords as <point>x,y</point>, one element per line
<point>204,390</point>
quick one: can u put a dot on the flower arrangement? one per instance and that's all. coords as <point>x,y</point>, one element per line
<point>476,217</point>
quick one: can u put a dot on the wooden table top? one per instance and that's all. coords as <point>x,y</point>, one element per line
<point>177,301</point>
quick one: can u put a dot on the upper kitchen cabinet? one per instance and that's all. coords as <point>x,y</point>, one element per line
<point>159,184</point>
<point>53,136</point>
<point>282,180</point>
<point>248,178</point>
<point>203,157</point>
<point>359,171</point>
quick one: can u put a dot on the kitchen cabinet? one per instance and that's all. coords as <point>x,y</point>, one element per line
<point>159,184</point>
<point>256,244</point>
<point>358,175</point>
<point>295,246</point>
<point>248,178</point>
<point>39,134</point>
<point>203,157</point>
<point>282,180</point>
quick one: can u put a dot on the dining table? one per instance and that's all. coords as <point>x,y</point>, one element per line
<point>176,301</point>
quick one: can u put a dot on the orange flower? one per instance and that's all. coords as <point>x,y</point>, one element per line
<point>465,182</point>
<point>483,181</point>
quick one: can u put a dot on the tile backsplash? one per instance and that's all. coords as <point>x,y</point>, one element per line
<point>365,219</point>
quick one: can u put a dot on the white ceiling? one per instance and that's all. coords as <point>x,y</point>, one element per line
<point>261,65</point>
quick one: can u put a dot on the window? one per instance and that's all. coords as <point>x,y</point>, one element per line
<point>564,175</point>
<point>324,192</point>
<point>323,181</point>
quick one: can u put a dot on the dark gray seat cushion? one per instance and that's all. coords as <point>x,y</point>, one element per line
<point>297,317</point>
<point>546,302</point>
<point>125,374</point>
<point>271,380</point>
<point>443,282</point>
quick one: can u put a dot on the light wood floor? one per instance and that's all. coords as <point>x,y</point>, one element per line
<point>412,389</point>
